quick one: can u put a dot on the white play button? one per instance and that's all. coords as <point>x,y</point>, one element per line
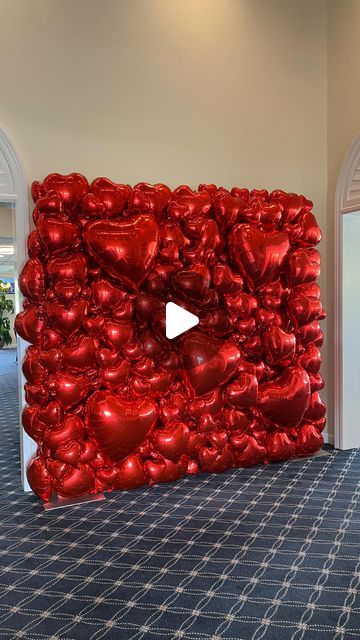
<point>178,320</point>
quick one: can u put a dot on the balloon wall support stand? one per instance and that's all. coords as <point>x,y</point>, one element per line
<point>57,502</point>
<point>316,454</point>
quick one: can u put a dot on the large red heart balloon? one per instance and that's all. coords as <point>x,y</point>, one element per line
<point>207,364</point>
<point>118,425</point>
<point>284,400</point>
<point>125,249</point>
<point>257,255</point>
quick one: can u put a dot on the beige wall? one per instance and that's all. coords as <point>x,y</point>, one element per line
<point>343,118</point>
<point>230,91</point>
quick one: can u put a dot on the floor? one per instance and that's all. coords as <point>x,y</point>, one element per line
<point>265,553</point>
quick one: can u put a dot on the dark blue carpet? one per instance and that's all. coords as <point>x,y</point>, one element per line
<point>270,552</point>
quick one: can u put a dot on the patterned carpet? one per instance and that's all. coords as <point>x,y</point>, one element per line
<point>267,553</point>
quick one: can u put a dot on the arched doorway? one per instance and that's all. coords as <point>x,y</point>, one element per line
<point>13,193</point>
<point>347,301</point>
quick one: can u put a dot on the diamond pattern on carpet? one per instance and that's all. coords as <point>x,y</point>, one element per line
<point>264,553</point>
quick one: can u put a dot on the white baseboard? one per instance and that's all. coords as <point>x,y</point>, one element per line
<point>328,437</point>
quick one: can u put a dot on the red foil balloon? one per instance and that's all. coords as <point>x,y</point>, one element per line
<point>119,426</point>
<point>112,403</point>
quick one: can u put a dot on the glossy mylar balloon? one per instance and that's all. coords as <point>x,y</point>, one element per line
<point>112,403</point>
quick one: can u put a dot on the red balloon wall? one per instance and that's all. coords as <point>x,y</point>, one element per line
<point>111,402</point>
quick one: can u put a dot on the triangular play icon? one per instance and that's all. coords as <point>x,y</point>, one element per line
<point>178,320</point>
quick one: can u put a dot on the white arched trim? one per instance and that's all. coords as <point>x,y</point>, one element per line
<point>347,200</point>
<point>14,191</point>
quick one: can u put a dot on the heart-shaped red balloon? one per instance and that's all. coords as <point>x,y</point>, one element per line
<point>112,196</point>
<point>210,403</point>
<point>279,346</point>
<point>34,247</point>
<point>218,439</point>
<point>303,309</point>
<point>50,359</point>
<point>79,354</point>
<point>31,424</point>
<point>226,281</point>
<point>193,283</point>
<point>67,290</point>
<point>242,392</point>
<point>125,249</point>
<point>56,235</point>
<point>32,368</point>
<point>50,415</point>
<point>105,295</point>
<point>71,188</point>
<point>71,429</point>
<point>310,359</point>
<point>303,266</point>
<point>187,203</point>
<point>164,470</point>
<point>253,453</point>
<point>69,453</point>
<point>284,400</point>
<point>280,446</point>
<point>40,479</point>
<point>32,279</point>
<point>310,234</point>
<point>69,390</point>
<point>234,420</point>
<point>116,334</point>
<point>214,461</point>
<point>207,364</point>
<point>309,439</point>
<point>76,481</point>
<point>257,255</point>
<point>66,319</point>
<point>119,426</point>
<point>113,377</point>
<point>172,442</point>
<point>72,267</point>
<point>51,202</point>
<point>150,197</point>
<point>30,325</point>
<point>131,474</point>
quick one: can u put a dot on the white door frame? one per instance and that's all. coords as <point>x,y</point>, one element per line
<point>13,190</point>
<point>347,200</point>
